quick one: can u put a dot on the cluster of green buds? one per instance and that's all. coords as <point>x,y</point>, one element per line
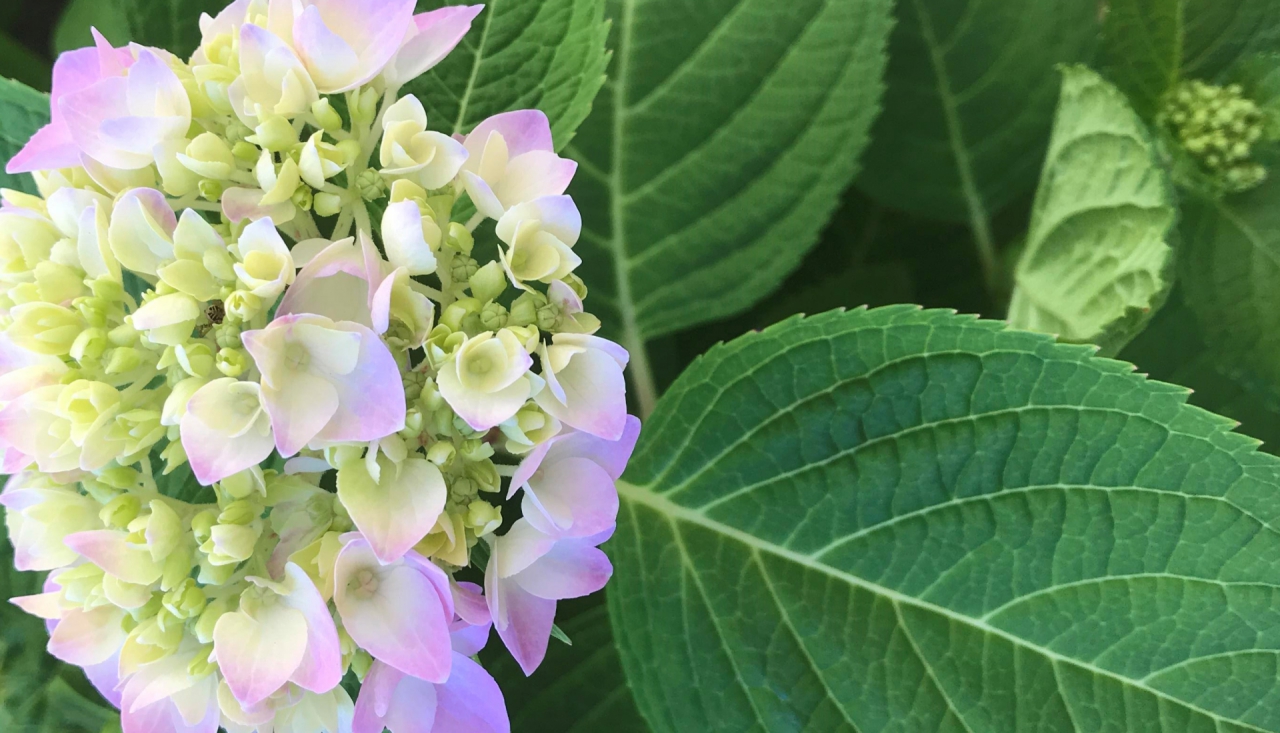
<point>1218,127</point>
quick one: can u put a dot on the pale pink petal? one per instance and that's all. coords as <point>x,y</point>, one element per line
<point>105,677</point>
<point>84,111</point>
<point>482,411</point>
<point>485,200</point>
<point>332,62</point>
<point>412,707</point>
<point>239,204</point>
<point>51,147</point>
<point>469,603</point>
<point>595,396</point>
<point>572,569</point>
<point>611,455</point>
<point>88,637</point>
<point>398,510</point>
<point>522,619</point>
<point>371,402</point>
<point>519,548</point>
<point>110,550</point>
<point>436,34</point>
<point>40,605</point>
<point>321,668</point>
<point>574,497</point>
<point>300,411</point>
<point>523,130</point>
<point>334,284</point>
<point>214,455</point>
<point>258,655</point>
<point>535,174</point>
<point>402,618</point>
<point>470,702</point>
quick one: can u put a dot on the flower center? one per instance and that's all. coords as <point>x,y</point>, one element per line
<point>297,357</point>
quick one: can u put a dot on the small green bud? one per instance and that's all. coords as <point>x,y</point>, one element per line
<point>326,204</point>
<point>186,600</point>
<point>329,119</point>
<point>246,483</point>
<point>457,310</point>
<point>89,345</point>
<point>462,269</point>
<point>247,152</point>
<point>243,305</point>
<point>494,316</point>
<point>201,666</point>
<point>441,453</point>
<point>120,511</point>
<point>123,360</point>
<point>483,517</point>
<point>240,512</point>
<point>302,197</point>
<point>210,190</point>
<point>366,106</point>
<point>209,156</point>
<point>202,523</point>
<point>488,282</point>
<point>459,239</point>
<point>575,284</point>
<point>123,335</point>
<point>524,311</point>
<point>274,134</point>
<point>209,618</point>
<point>120,477</point>
<point>232,362</point>
<point>371,185</point>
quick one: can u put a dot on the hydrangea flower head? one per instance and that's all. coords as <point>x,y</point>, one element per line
<point>265,442</point>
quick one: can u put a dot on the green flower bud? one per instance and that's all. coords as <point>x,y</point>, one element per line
<point>123,360</point>
<point>493,316</point>
<point>89,345</point>
<point>93,310</point>
<point>209,618</point>
<point>209,156</point>
<point>201,665</point>
<point>402,189</point>
<point>275,134</point>
<point>365,108</point>
<point>575,284</point>
<point>483,517</point>
<point>459,239</point>
<point>177,566</point>
<point>244,484</point>
<point>211,190</point>
<point>371,185</point>
<point>123,335</point>
<point>120,477</point>
<point>240,512</point>
<point>246,152</point>
<point>202,523</point>
<point>326,204</point>
<point>361,661</point>
<point>413,423</point>
<point>348,151</point>
<point>243,305</point>
<point>441,453</point>
<point>457,310</point>
<point>524,311</point>
<point>185,601</point>
<point>174,455</point>
<point>547,317</point>
<point>232,362</point>
<point>302,197</point>
<point>482,471</point>
<point>462,269</point>
<point>329,119</point>
<point>488,282</point>
<point>120,511</point>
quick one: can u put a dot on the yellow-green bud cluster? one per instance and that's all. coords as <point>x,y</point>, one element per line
<point>1218,127</point>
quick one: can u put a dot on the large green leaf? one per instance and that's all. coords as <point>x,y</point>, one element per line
<point>1229,264</point>
<point>1218,33</point>
<point>906,520</point>
<point>717,152</point>
<point>79,16</point>
<point>579,688</point>
<point>23,110</point>
<point>971,89</point>
<point>519,55</point>
<point>1172,349</point>
<point>173,25</point>
<point>1142,46</point>
<point>1097,260</point>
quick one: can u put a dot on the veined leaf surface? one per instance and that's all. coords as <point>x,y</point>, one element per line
<point>910,520</point>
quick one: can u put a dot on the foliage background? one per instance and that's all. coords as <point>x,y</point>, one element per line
<point>894,236</point>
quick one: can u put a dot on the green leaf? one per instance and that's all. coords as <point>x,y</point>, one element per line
<point>1172,349</point>
<point>717,152</point>
<point>23,110</point>
<point>578,688</point>
<point>1097,260</point>
<point>1229,265</point>
<point>548,55</point>
<point>970,102</point>
<point>73,26</point>
<point>22,64</point>
<point>1142,47</point>
<point>1218,33</point>
<point>173,25</point>
<point>911,520</point>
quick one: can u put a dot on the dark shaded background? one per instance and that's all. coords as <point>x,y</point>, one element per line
<point>32,34</point>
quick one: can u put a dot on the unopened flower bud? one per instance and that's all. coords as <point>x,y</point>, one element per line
<point>462,269</point>
<point>326,204</point>
<point>120,477</point>
<point>302,198</point>
<point>89,345</point>
<point>493,316</point>
<point>441,453</point>
<point>275,134</point>
<point>328,118</point>
<point>371,185</point>
<point>120,511</point>
<point>459,239</point>
<point>243,484</point>
<point>245,151</point>
<point>488,282</point>
<point>458,310</point>
<point>365,108</point>
<point>483,517</point>
<point>240,512</point>
<point>211,190</point>
<point>209,618</point>
<point>243,305</point>
<point>232,362</point>
<point>524,311</point>
<point>202,523</point>
<point>123,360</point>
<point>185,601</point>
<point>575,284</point>
<point>202,664</point>
<point>209,156</point>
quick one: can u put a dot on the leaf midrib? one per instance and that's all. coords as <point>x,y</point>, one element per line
<point>676,513</point>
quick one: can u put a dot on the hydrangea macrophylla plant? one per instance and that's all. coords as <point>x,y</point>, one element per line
<point>201,282</point>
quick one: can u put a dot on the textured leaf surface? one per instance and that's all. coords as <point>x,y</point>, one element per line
<point>23,110</point>
<point>173,25</point>
<point>1218,33</point>
<point>519,55</point>
<point>1229,265</point>
<point>971,89</point>
<point>718,150</point>
<point>1142,46</point>
<point>914,521</point>
<point>578,688</point>
<point>1094,266</point>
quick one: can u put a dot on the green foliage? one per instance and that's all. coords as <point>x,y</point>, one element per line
<point>1142,45</point>
<point>23,110</point>
<point>169,24</point>
<point>553,700</point>
<point>519,55</point>
<point>718,150</point>
<point>911,520</point>
<point>971,89</point>
<point>73,26</point>
<point>1097,259</point>
<point>1230,271</point>
<point>1218,34</point>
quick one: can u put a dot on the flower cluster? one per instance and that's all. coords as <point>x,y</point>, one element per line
<point>403,429</point>
<point>1218,127</point>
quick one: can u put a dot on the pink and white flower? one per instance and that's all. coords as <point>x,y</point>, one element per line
<point>225,429</point>
<point>585,387</point>
<point>487,379</point>
<point>326,381</point>
<point>512,161</point>
<point>430,38</point>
